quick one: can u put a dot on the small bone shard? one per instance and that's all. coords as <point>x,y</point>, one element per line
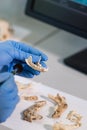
<point>30,114</point>
<point>22,86</point>
<point>36,66</point>
<point>60,107</point>
<point>61,126</point>
<point>30,98</point>
<point>74,117</point>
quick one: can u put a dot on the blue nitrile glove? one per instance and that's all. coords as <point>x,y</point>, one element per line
<point>12,52</point>
<point>8,95</point>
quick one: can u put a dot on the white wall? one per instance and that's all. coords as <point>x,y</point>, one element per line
<point>12,8</point>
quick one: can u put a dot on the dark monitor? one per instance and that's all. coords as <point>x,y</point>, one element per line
<point>70,15</point>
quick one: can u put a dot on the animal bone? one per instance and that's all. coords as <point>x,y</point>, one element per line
<point>30,114</point>
<point>60,107</point>
<point>30,98</point>
<point>36,66</point>
<point>5,30</point>
<point>22,86</point>
<point>74,117</point>
<point>61,126</point>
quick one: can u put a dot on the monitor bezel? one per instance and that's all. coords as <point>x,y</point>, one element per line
<point>30,12</point>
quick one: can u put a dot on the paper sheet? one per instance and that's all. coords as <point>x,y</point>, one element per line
<point>16,122</point>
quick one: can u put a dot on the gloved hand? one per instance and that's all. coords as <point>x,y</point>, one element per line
<point>12,52</point>
<point>8,95</point>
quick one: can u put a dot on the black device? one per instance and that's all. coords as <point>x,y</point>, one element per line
<point>70,15</point>
<point>66,14</point>
<point>78,61</point>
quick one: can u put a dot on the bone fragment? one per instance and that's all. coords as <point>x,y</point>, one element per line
<point>61,105</point>
<point>30,114</point>
<point>22,86</point>
<point>30,98</point>
<point>36,66</point>
<point>74,117</point>
<point>61,126</point>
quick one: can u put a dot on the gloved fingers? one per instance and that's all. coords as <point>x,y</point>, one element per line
<point>4,76</point>
<point>6,111</point>
<point>7,101</point>
<point>33,71</point>
<point>30,70</point>
<point>29,49</point>
<point>9,85</point>
<point>5,57</point>
<point>4,114</point>
<point>9,95</point>
<point>25,69</point>
<point>10,88</point>
<point>43,64</point>
<point>26,74</point>
<point>21,55</point>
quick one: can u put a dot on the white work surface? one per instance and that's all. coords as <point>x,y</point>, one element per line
<point>15,122</point>
<point>60,76</point>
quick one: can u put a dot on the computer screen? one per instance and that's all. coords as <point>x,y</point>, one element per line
<point>70,15</point>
